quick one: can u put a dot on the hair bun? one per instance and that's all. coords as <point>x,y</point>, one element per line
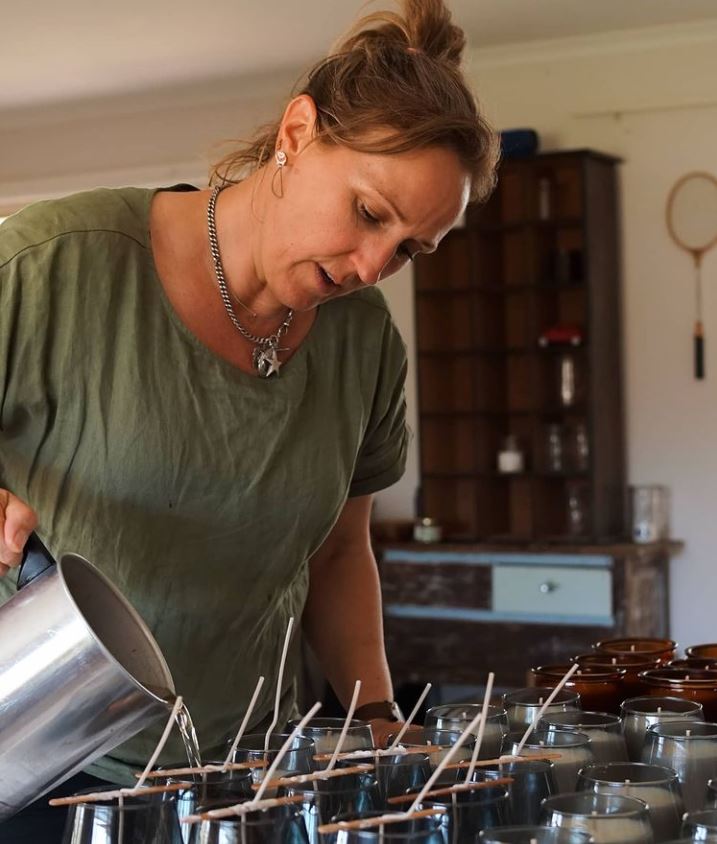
<point>421,27</point>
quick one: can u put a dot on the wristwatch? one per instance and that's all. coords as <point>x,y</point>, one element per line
<point>388,710</point>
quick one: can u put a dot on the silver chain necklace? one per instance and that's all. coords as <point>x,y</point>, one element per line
<point>265,356</point>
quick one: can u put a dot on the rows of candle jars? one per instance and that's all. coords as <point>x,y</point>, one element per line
<point>639,772</point>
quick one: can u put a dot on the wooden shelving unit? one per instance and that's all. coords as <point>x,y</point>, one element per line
<point>543,252</point>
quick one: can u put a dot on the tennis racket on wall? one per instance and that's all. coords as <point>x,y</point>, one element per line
<point>692,224</point>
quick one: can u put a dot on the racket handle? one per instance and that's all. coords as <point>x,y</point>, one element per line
<point>699,351</point>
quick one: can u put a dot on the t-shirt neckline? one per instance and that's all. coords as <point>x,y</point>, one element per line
<point>292,369</point>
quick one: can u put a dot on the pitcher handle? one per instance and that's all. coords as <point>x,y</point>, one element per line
<point>36,560</point>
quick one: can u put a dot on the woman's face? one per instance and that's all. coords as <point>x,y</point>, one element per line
<point>348,219</point>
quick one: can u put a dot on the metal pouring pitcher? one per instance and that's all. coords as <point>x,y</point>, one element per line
<point>79,674</point>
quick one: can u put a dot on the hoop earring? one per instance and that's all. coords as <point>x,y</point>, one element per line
<point>281,159</point>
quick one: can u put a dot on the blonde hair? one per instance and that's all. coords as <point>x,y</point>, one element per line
<point>396,72</point>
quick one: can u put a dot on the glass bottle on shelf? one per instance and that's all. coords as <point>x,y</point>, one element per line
<point>554,451</point>
<point>576,508</point>
<point>581,447</point>
<point>567,380</point>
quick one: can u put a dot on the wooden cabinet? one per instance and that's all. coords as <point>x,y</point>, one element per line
<point>454,612</point>
<point>540,258</point>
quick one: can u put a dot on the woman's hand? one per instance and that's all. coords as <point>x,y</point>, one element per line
<point>384,731</point>
<point>17,521</point>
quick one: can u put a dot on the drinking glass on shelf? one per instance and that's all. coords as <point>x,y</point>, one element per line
<point>129,820</point>
<point>656,785</point>
<point>609,818</point>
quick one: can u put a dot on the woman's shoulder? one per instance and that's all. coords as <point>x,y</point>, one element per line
<point>362,321</point>
<point>368,303</point>
<point>120,210</point>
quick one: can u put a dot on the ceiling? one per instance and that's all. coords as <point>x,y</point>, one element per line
<point>77,49</point>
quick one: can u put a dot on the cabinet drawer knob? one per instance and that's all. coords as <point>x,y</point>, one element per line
<point>548,587</point>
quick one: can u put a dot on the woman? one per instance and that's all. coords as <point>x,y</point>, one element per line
<point>200,390</point>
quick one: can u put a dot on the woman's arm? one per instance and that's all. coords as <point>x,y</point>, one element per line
<point>342,619</point>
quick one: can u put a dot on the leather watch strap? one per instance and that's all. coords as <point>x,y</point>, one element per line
<point>388,710</point>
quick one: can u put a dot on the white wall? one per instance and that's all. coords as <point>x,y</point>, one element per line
<point>649,98</point>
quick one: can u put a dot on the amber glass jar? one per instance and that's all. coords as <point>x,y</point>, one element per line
<point>600,690</point>
<point>708,651</point>
<point>662,650</point>
<point>696,663</point>
<point>631,664</point>
<point>690,684</point>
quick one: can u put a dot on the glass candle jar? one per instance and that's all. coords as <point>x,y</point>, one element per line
<point>690,749</point>
<point>533,835</point>
<point>533,781</point>
<point>574,749</point>
<point>323,800</point>
<point>600,690</point>
<point>602,728</point>
<point>468,812</point>
<point>457,716</point>
<point>443,741</point>
<point>325,733</point>
<point>639,713</point>
<point>708,651</point>
<point>609,818</point>
<point>631,664</point>
<point>701,825</point>
<point>691,684</point>
<point>657,786</point>
<point>662,650</point>
<point>523,705</point>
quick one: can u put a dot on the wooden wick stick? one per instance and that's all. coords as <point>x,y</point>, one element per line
<point>95,796</point>
<point>344,729</point>
<point>397,751</point>
<point>541,711</point>
<point>242,809</point>
<point>242,728</point>
<point>284,749</point>
<point>453,789</point>
<point>367,823</point>
<point>279,681</point>
<point>505,760</point>
<point>410,718</point>
<point>178,703</point>
<point>481,725</point>
<point>326,774</point>
<point>206,769</point>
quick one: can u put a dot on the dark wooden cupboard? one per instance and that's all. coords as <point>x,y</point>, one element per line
<point>518,333</point>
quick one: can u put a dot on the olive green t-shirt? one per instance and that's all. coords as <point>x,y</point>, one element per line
<point>200,490</point>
